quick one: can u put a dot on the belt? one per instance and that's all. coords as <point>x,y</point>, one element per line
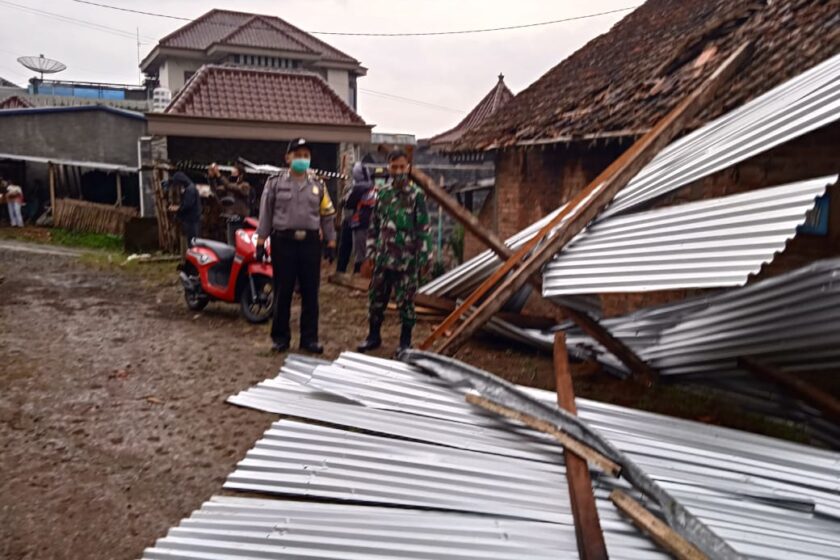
<point>298,234</point>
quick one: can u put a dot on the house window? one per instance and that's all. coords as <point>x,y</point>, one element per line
<point>187,75</point>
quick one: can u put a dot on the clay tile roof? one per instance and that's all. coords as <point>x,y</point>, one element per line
<point>243,29</point>
<point>258,32</point>
<point>490,103</point>
<point>230,92</point>
<point>623,81</point>
<point>15,102</point>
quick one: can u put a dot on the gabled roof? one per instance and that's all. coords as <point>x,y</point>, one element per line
<point>230,28</point>
<point>6,83</point>
<point>495,98</point>
<point>230,92</point>
<point>259,32</point>
<point>14,102</point>
<point>622,82</point>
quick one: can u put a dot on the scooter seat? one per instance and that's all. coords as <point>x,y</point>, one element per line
<point>224,251</point>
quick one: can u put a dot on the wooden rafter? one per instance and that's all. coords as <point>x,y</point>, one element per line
<point>582,319</point>
<point>579,212</point>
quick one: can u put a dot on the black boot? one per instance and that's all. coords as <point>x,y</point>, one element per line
<point>405,339</point>
<point>374,338</point>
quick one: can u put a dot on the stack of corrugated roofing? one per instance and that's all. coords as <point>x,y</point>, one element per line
<point>791,322</point>
<point>424,448</point>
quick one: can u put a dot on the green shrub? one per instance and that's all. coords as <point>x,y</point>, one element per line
<point>104,241</point>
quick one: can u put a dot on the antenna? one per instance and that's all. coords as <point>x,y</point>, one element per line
<point>42,64</point>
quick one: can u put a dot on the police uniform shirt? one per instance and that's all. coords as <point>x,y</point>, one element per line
<point>296,204</point>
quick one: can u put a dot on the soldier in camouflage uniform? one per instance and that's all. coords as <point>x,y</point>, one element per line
<point>399,243</point>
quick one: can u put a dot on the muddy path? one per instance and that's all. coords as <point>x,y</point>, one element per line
<point>113,424</point>
<point>112,416</point>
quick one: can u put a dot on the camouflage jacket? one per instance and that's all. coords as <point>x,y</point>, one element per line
<point>399,236</point>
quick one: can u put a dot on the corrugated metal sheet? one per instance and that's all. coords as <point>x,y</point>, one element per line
<point>462,280</point>
<point>791,321</point>
<point>254,528</point>
<point>798,106</point>
<point>805,103</point>
<point>710,243</point>
<point>768,498</point>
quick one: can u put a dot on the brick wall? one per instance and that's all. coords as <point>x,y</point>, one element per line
<point>531,182</point>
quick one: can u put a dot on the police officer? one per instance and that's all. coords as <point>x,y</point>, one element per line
<point>295,208</point>
<point>399,243</point>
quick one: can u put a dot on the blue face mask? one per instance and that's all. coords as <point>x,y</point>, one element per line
<point>300,165</point>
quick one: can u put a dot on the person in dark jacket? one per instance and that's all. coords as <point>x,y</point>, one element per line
<point>358,206</point>
<point>189,211</point>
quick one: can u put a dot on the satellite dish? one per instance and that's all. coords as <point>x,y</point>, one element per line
<point>42,64</point>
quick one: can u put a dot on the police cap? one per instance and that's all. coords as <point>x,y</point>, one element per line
<point>298,143</point>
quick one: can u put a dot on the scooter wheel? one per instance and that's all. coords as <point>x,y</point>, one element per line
<point>196,302</point>
<point>262,309</point>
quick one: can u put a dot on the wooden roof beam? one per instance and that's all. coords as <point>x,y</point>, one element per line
<point>581,210</point>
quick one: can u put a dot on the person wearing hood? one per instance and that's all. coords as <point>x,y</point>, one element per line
<point>189,211</point>
<point>399,244</point>
<point>358,206</point>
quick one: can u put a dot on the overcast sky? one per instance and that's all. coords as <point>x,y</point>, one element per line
<point>452,72</point>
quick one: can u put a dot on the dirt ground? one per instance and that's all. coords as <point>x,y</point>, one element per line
<point>113,424</point>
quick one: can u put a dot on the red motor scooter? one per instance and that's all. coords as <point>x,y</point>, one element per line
<point>218,271</point>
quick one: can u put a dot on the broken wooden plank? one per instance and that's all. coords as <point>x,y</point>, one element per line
<point>816,397</point>
<point>582,209</point>
<point>657,529</point>
<point>616,347</point>
<point>457,211</point>
<point>579,449</point>
<point>633,363</point>
<point>590,537</point>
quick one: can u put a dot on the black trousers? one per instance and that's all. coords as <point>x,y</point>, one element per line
<point>345,246</point>
<point>295,261</point>
<point>190,230</point>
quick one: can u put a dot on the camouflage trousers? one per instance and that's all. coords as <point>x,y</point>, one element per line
<point>404,285</point>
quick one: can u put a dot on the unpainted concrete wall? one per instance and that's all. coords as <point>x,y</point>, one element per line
<point>94,136</point>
